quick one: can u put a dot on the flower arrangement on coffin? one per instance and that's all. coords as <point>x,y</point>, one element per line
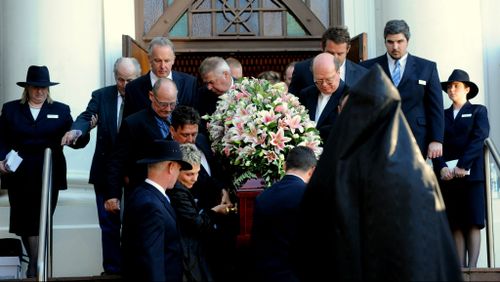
<point>254,126</point>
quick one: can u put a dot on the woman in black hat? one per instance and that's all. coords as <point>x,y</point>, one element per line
<point>461,168</point>
<point>28,126</point>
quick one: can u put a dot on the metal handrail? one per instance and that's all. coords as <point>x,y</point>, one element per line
<point>489,147</point>
<point>44,262</point>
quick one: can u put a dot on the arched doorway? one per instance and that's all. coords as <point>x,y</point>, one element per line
<point>261,34</point>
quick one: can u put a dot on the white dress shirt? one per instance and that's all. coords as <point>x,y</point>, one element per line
<point>157,186</point>
<point>322,101</point>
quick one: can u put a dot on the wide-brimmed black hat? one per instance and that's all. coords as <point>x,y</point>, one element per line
<point>462,76</point>
<point>37,76</point>
<point>164,150</point>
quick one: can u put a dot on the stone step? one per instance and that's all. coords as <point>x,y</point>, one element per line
<point>481,274</point>
<point>469,274</point>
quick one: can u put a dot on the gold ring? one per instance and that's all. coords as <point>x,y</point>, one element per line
<point>227,210</point>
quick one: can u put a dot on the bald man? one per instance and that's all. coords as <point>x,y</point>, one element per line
<point>322,98</point>
<point>136,135</point>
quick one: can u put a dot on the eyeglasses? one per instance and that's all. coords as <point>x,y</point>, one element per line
<point>165,104</point>
<point>328,81</point>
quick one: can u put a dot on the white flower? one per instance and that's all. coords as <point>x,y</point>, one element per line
<point>254,126</point>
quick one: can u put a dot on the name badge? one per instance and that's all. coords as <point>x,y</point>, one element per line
<point>466,115</point>
<point>52,116</point>
<point>422,82</point>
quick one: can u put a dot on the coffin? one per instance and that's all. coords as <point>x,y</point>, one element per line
<point>246,196</point>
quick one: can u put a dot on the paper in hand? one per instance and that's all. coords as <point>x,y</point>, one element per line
<point>13,160</point>
<point>453,163</point>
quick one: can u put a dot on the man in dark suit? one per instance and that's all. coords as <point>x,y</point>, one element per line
<point>137,132</point>
<point>161,55</point>
<point>150,240</point>
<point>104,108</point>
<point>417,81</point>
<point>336,41</point>
<point>322,99</point>
<point>275,218</point>
<point>209,188</point>
<point>216,75</point>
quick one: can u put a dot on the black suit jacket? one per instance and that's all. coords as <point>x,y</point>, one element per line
<point>207,101</point>
<point>104,104</point>
<point>194,226</point>
<point>421,98</point>
<point>275,222</point>
<point>137,92</point>
<point>137,132</point>
<point>150,238</point>
<point>309,98</point>
<point>208,188</point>
<point>302,76</point>
<point>464,140</point>
<point>30,137</point>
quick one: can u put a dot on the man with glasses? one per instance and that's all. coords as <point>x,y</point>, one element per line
<point>336,41</point>
<point>322,98</point>
<point>137,133</point>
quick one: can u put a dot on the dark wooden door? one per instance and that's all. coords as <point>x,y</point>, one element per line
<point>253,62</point>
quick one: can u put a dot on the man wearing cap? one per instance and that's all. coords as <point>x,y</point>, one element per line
<point>150,238</point>
<point>137,131</point>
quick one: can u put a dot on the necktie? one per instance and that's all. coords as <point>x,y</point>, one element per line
<point>120,115</point>
<point>396,73</point>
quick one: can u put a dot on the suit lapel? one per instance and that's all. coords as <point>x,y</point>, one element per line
<point>43,112</point>
<point>332,103</point>
<point>110,104</point>
<point>25,110</point>
<point>177,78</point>
<point>466,109</point>
<point>312,102</point>
<point>163,200</point>
<point>448,115</point>
<point>410,68</point>
<point>383,62</point>
<point>349,72</point>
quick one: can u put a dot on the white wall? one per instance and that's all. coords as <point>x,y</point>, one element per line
<point>491,63</point>
<point>359,17</point>
<point>78,40</point>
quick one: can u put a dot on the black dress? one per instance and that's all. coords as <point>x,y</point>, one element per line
<point>195,228</point>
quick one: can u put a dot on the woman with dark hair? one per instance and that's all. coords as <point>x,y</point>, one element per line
<point>461,168</point>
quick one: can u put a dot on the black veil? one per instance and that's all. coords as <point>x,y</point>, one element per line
<point>373,206</point>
